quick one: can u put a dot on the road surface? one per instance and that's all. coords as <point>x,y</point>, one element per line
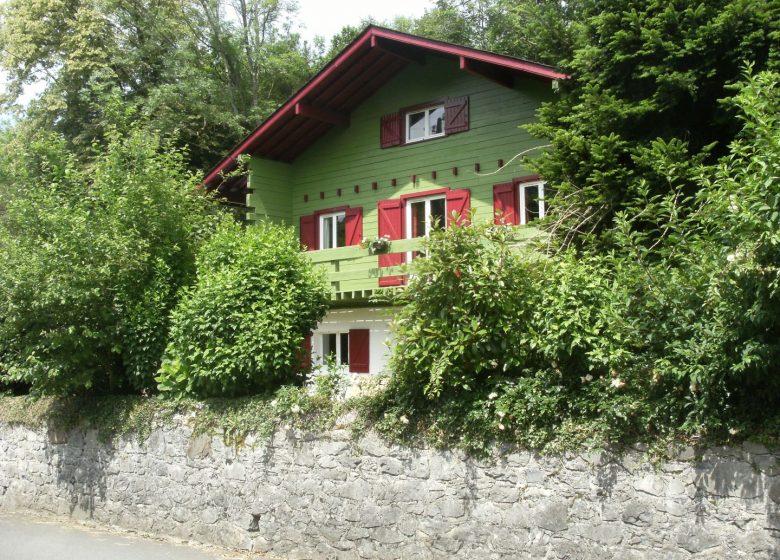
<point>30,538</point>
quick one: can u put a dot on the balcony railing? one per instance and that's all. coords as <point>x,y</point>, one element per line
<point>354,274</point>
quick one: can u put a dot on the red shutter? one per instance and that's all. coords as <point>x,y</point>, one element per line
<point>309,232</point>
<point>354,225</point>
<point>306,353</point>
<point>390,130</point>
<point>456,114</point>
<point>458,202</point>
<point>391,224</point>
<point>505,204</point>
<point>358,350</point>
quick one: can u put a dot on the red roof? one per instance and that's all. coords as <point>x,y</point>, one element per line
<point>356,73</point>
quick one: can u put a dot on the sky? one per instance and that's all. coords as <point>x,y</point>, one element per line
<point>326,18</point>
<point>319,17</point>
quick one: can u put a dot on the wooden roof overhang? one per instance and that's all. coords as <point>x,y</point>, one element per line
<point>372,59</point>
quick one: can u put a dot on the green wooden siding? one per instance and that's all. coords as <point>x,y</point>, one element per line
<point>351,156</point>
<point>270,195</point>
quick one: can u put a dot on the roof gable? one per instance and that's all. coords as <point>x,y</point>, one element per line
<point>352,76</point>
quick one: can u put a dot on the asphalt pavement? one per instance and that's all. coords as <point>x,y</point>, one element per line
<point>29,538</point>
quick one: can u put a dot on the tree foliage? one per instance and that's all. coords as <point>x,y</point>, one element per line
<point>239,329</point>
<point>648,85</point>
<point>91,259</point>
<point>208,70</point>
<point>673,331</point>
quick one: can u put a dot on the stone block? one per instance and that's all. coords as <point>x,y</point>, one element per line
<point>732,479</point>
<point>639,514</point>
<point>553,517</point>
<point>608,534</point>
<point>199,447</point>
<point>391,466</point>
<point>696,539</point>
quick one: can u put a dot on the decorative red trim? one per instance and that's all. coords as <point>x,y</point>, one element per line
<point>473,54</point>
<point>526,179</point>
<point>419,106</point>
<point>331,210</point>
<point>421,194</point>
<point>344,60</point>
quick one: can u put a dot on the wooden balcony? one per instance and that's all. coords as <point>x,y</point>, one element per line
<point>354,274</point>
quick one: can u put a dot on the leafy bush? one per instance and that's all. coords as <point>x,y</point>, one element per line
<point>91,258</point>
<point>675,331</point>
<point>240,328</point>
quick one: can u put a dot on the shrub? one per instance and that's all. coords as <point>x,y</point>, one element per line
<point>240,328</point>
<point>674,331</point>
<point>91,258</point>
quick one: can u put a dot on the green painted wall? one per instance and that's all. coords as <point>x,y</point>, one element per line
<point>351,156</point>
<point>270,194</point>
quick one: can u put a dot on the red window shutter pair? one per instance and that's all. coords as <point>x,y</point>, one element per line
<point>456,119</point>
<point>359,350</point>
<point>505,204</point>
<point>391,224</point>
<point>310,228</point>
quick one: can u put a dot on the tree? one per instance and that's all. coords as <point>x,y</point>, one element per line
<point>208,70</point>
<point>91,260</point>
<point>645,102</point>
<point>239,329</point>
<point>538,30</point>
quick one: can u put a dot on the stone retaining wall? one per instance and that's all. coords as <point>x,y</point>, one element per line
<point>330,497</point>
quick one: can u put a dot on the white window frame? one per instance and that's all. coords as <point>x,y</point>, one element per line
<point>338,347</point>
<point>427,134</point>
<point>428,223</point>
<point>331,216</point>
<point>521,199</point>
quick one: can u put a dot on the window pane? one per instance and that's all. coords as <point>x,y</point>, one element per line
<point>438,213</point>
<point>344,348</point>
<point>416,126</point>
<point>328,346</point>
<point>418,219</point>
<point>531,203</point>
<point>341,230</point>
<point>327,233</point>
<point>436,120</point>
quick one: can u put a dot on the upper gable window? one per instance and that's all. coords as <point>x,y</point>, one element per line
<point>433,119</point>
<point>424,124</point>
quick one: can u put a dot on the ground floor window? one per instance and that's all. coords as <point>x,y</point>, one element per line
<point>335,346</point>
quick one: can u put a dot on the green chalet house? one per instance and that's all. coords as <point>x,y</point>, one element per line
<point>397,135</point>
